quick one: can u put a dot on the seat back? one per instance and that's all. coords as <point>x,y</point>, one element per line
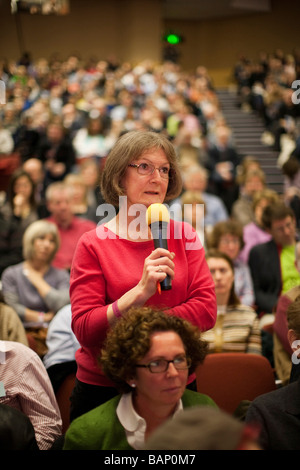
<point>63,399</point>
<point>229,378</point>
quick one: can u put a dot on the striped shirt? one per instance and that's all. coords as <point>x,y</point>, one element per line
<point>25,385</point>
<point>235,331</point>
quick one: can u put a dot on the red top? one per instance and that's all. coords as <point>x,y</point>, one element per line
<point>68,240</point>
<point>105,267</point>
<point>280,325</point>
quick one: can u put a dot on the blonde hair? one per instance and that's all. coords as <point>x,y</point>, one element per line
<point>268,194</point>
<point>76,179</point>
<point>38,229</point>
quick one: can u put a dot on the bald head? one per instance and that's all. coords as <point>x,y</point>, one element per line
<point>34,167</point>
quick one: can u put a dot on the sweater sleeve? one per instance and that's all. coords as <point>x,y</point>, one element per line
<point>59,295</point>
<point>10,291</point>
<point>88,296</point>
<point>200,306</point>
<point>254,342</point>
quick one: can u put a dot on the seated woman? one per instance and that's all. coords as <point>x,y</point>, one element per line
<point>254,232</point>
<point>227,237</point>
<point>149,356</point>
<point>237,325</point>
<point>21,204</point>
<point>34,288</point>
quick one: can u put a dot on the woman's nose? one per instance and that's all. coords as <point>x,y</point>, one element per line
<point>171,371</point>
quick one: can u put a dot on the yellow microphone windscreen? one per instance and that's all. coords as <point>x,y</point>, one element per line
<point>157,213</point>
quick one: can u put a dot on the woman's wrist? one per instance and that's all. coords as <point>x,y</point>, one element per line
<point>41,317</point>
<point>133,298</point>
<point>116,309</point>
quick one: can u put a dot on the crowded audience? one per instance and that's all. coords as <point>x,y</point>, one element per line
<point>62,122</point>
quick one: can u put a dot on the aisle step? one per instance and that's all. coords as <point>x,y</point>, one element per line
<point>247,130</point>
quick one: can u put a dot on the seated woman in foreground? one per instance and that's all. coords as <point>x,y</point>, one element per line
<point>149,355</point>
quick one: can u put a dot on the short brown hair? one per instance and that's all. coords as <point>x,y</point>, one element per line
<point>225,227</point>
<point>278,211</point>
<point>129,340</point>
<point>131,146</point>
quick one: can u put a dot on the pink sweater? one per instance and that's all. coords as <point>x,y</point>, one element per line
<point>105,269</point>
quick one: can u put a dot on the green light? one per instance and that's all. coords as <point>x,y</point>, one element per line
<point>173,39</point>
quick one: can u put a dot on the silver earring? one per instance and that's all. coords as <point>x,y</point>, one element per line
<point>133,385</point>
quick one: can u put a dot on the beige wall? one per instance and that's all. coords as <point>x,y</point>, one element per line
<point>129,29</point>
<point>132,30</point>
<point>217,43</point>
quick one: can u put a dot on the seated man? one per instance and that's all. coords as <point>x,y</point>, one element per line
<point>69,226</point>
<point>277,413</point>
<point>195,179</point>
<point>272,264</point>
<point>25,386</point>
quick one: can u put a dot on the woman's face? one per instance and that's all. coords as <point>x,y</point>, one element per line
<point>222,275</point>
<point>230,245</point>
<point>43,247</point>
<point>259,208</point>
<point>146,189</point>
<point>23,186</point>
<point>163,388</point>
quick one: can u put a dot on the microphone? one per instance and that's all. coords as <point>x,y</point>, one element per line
<point>157,218</point>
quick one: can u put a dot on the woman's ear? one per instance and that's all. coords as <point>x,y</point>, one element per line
<point>131,383</point>
<point>293,340</point>
<point>295,345</point>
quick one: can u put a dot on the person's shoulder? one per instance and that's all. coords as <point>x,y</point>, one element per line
<point>82,222</point>
<point>12,270</point>
<point>247,312</point>
<point>184,232</point>
<point>251,227</point>
<point>276,398</point>
<point>101,414</point>
<point>18,348</point>
<point>191,398</point>
<point>262,247</point>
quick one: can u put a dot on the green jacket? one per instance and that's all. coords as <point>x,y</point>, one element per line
<point>100,428</point>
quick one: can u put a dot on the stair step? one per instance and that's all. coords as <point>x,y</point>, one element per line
<point>247,130</point>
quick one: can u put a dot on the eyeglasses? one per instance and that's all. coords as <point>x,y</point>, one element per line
<point>148,169</point>
<point>162,365</point>
<point>285,226</point>
<point>228,241</point>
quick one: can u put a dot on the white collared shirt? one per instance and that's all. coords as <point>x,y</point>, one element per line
<point>134,424</point>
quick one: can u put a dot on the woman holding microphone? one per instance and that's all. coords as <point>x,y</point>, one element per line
<point>116,266</point>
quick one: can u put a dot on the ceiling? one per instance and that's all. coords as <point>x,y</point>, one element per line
<point>204,9</point>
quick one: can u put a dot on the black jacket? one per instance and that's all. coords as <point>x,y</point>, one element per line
<point>16,430</point>
<point>264,264</point>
